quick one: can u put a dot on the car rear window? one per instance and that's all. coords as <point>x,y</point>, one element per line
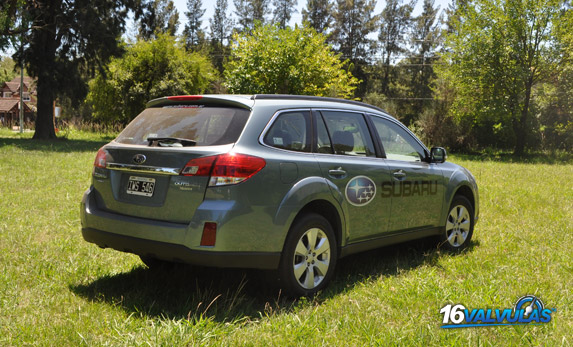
<point>207,126</point>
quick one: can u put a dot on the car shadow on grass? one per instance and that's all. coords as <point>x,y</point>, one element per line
<point>59,145</point>
<point>227,295</point>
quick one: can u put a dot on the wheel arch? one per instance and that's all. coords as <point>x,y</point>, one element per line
<point>327,210</point>
<point>466,192</point>
<point>463,189</point>
<point>315,195</point>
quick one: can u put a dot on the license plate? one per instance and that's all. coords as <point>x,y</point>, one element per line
<point>140,186</point>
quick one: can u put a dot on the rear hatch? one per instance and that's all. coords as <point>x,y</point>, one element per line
<point>155,168</point>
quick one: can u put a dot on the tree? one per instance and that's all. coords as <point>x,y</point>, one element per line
<point>10,11</point>
<point>287,61</point>
<point>159,16</point>
<point>283,11</point>
<point>148,70</point>
<point>7,69</point>
<point>353,23</point>
<point>498,51</point>
<point>425,40</point>
<point>554,111</point>
<point>221,27</point>
<point>394,24</point>
<point>193,32</point>
<point>318,15</point>
<point>65,41</point>
<point>250,12</point>
<point>220,24</point>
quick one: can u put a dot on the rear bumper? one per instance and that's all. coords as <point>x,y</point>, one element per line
<point>180,253</point>
<point>167,241</point>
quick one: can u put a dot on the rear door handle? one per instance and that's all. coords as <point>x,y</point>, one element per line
<point>399,174</point>
<point>337,172</point>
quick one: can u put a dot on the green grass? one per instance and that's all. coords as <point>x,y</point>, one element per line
<point>56,289</point>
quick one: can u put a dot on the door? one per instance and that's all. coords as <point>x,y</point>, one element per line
<point>347,157</point>
<point>415,186</point>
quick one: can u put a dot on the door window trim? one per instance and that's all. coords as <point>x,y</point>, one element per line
<point>319,110</point>
<point>272,122</point>
<point>403,127</point>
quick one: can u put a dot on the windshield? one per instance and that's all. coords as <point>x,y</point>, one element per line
<point>207,126</point>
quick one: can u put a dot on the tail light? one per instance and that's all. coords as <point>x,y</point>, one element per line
<point>100,163</point>
<point>224,169</point>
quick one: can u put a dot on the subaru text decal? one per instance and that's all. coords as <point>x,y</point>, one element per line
<point>409,188</point>
<point>360,190</point>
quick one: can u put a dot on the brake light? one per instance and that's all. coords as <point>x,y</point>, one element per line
<point>224,169</point>
<point>100,163</point>
<point>185,97</point>
<point>199,167</point>
<point>101,158</point>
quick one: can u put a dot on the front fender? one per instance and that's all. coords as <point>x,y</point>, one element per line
<point>460,179</point>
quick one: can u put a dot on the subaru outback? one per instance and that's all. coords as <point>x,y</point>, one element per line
<point>290,183</point>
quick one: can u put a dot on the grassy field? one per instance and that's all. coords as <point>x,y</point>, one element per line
<point>56,289</point>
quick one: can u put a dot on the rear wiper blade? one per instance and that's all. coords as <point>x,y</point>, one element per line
<point>184,142</point>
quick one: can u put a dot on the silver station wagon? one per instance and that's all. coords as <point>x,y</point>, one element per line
<point>291,183</point>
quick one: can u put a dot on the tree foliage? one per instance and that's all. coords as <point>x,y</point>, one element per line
<point>221,26</point>
<point>318,15</point>
<point>354,20</point>
<point>194,34</point>
<point>287,61</point>
<point>66,40</point>
<point>394,24</point>
<point>149,69</point>
<point>10,10</point>
<point>7,71</point>
<point>498,51</point>
<point>158,17</point>
<point>284,9</point>
<point>250,12</point>
<point>425,42</point>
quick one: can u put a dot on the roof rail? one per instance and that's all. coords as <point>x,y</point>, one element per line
<point>313,98</point>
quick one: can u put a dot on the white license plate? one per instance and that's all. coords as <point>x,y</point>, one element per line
<point>140,186</point>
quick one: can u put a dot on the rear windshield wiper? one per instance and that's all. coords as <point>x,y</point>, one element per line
<point>171,140</point>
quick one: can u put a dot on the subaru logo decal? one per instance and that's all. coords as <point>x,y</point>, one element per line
<point>360,190</point>
<point>139,158</point>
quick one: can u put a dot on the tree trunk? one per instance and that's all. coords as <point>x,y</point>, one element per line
<point>45,60</point>
<point>45,116</point>
<point>521,129</point>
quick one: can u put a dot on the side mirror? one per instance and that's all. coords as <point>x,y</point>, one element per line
<point>438,155</point>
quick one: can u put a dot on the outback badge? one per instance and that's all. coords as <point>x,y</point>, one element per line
<point>139,158</point>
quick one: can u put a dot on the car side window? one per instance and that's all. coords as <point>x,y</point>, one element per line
<point>349,133</point>
<point>397,142</point>
<point>291,131</point>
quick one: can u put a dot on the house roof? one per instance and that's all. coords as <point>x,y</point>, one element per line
<point>8,105</point>
<point>27,80</point>
<point>13,87</point>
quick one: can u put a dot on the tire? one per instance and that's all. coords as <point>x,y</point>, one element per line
<point>459,227</point>
<point>309,256</point>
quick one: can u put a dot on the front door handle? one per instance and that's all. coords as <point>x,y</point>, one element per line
<point>337,172</point>
<point>399,174</point>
